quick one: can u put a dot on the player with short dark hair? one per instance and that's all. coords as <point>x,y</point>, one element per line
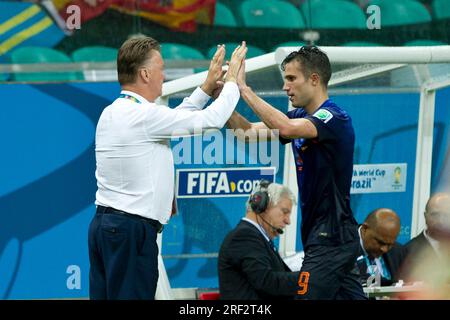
<point>323,139</point>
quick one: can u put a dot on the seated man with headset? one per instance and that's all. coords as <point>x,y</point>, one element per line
<point>250,267</point>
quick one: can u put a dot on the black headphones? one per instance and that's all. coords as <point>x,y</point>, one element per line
<point>259,201</point>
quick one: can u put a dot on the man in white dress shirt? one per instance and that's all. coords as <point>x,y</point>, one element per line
<point>135,169</point>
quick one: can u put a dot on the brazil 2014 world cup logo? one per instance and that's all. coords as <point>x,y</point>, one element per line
<point>397,175</point>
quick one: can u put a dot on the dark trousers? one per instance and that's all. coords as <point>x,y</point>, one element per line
<point>123,255</point>
<point>330,273</point>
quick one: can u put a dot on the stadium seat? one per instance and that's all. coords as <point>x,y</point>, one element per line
<point>401,12</point>
<point>42,55</point>
<point>333,14</point>
<point>440,9</point>
<point>224,17</point>
<point>176,51</point>
<point>270,14</point>
<point>361,44</point>
<point>289,44</point>
<point>251,53</point>
<point>94,54</point>
<point>4,76</point>
<point>419,43</point>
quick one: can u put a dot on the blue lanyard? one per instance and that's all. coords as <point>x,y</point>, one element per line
<point>127,96</point>
<point>384,273</point>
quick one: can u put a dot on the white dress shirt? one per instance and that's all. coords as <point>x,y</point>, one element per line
<point>257,226</point>
<point>135,167</point>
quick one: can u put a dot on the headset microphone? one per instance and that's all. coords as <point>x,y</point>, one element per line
<point>259,201</point>
<point>279,230</point>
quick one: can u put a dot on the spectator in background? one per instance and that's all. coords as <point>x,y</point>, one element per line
<point>428,254</point>
<point>429,241</point>
<point>250,267</point>
<point>381,256</point>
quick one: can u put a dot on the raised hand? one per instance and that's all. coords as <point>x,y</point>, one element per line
<point>241,81</point>
<point>215,72</point>
<point>235,63</point>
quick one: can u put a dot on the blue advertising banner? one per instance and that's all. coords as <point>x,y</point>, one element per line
<point>48,185</point>
<point>220,182</point>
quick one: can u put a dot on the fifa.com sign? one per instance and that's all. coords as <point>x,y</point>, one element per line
<point>220,182</point>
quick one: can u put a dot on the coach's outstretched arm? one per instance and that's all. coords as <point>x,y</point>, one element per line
<point>176,122</point>
<point>212,86</point>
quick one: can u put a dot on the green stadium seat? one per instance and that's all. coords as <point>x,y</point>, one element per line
<point>251,53</point>
<point>94,54</point>
<point>401,12</point>
<point>270,14</point>
<point>224,17</point>
<point>4,76</point>
<point>333,14</point>
<point>361,44</point>
<point>289,44</point>
<point>440,9</point>
<point>176,51</point>
<point>419,43</point>
<point>42,55</point>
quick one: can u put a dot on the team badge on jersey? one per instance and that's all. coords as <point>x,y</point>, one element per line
<point>324,115</point>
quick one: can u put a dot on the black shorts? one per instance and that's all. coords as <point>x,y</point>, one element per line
<point>330,272</point>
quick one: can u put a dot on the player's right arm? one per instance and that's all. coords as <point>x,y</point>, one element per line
<point>248,131</point>
<point>243,129</point>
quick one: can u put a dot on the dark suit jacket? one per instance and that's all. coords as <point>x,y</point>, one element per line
<point>393,260</point>
<point>249,269</point>
<point>418,249</point>
<point>417,245</point>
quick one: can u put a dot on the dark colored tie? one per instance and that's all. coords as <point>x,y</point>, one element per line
<point>272,245</point>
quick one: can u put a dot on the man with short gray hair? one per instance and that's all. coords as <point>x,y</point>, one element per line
<point>135,166</point>
<point>250,267</point>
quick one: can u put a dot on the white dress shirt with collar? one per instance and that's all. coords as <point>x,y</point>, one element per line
<point>257,226</point>
<point>135,167</point>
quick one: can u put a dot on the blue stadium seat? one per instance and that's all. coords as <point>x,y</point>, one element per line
<point>401,12</point>
<point>270,14</point>
<point>42,55</point>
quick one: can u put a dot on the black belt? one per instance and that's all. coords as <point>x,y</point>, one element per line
<point>158,225</point>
